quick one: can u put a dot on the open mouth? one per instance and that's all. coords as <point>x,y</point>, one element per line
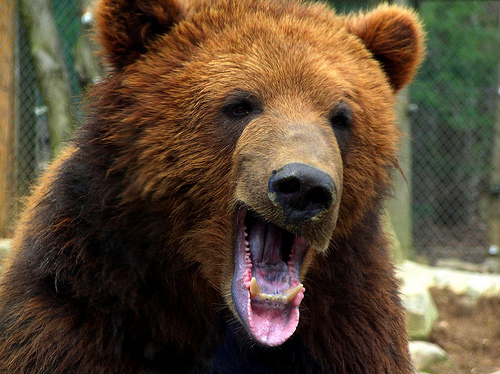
<point>266,288</point>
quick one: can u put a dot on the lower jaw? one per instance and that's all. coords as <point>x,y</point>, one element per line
<point>270,318</point>
<point>269,323</point>
<point>272,323</point>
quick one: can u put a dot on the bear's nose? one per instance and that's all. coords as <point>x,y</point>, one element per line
<point>301,191</point>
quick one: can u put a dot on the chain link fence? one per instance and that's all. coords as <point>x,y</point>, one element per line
<point>33,150</point>
<point>454,103</point>
<point>453,114</point>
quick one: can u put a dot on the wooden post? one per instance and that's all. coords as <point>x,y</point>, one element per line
<point>7,129</point>
<point>490,201</point>
<point>492,207</point>
<point>400,206</point>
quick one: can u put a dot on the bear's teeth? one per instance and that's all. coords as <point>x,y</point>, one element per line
<point>293,292</point>
<point>254,288</point>
<point>286,298</point>
<point>275,298</point>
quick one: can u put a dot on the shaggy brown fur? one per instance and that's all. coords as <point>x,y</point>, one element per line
<point>124,258</point>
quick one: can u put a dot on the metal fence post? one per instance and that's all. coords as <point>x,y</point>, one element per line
<point>7,129</point>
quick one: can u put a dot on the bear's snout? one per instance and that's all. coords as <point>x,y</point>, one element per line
<point>303,192</point>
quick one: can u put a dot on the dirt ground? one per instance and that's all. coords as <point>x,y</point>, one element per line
<point>469,331</point>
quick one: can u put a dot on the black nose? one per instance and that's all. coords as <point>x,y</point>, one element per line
<point>301,191</point>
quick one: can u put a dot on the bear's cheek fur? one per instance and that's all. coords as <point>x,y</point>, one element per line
<point>187,177</point>
<point>376,133</point>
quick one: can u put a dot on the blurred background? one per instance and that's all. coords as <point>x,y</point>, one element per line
<point>446,207</point>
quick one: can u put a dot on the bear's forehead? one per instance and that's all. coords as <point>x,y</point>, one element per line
<point>269,46</point>
<point>284,53</point>
<point>274,27</point>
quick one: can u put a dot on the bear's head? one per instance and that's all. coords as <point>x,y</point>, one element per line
<point>259,132</point>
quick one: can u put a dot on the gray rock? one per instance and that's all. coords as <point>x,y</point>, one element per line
<point>455,263</point>
<point>421,311</point>
<point>492,265</point>
<point>4,247</point>
<point>4,250</point>
<point>425,354</point>
<point>459,282</point>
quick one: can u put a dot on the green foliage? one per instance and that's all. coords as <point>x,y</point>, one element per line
<point>461,65</point>
<point>68,24</point>
<point>456,91</point>
<point>346,6</point>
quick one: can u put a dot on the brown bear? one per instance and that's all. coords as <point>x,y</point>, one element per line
<point>228,179</point>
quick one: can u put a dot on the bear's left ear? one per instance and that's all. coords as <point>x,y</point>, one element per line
<point>395,38</point>
<point>125,27</point>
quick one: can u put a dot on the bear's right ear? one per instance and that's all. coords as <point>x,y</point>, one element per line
<point>125,27</point>
<point>395,37</point>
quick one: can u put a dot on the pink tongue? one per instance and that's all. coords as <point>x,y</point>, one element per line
<point>273,323</point>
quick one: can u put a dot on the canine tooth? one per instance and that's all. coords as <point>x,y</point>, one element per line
<point>293,292</point>
<point>254,288</point>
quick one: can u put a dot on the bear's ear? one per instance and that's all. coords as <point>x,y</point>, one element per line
<point>125,27</point>
<point>395,38</point>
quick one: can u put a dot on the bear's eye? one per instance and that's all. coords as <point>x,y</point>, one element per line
<point>341,116</point>
<point>239,109</point>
